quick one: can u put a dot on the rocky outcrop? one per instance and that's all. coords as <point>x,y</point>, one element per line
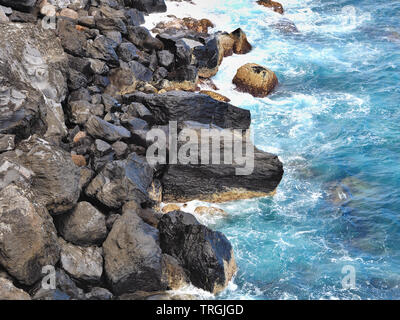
<point>28,238</point>
<point>132,256</point>
<point>255,79</point>
<point>276,6</point>
<point>206,255</point>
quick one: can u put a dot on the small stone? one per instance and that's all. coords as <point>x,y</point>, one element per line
<point>79,160</point>
<point>69,13</point>
<point>80,135</point>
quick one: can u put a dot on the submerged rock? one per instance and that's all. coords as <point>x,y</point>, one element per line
<point>206,255</point>
<point>255,79</point>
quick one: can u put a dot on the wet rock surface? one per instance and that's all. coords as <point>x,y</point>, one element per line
<point>206,254</point>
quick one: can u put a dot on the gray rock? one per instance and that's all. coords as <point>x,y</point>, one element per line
<point>102,48</point>
<point>98,128</point>
<point>128,52</point>
<point>98,293</point>
<point>132,256</point>
<point>10,292</point>
<point>165,58</point>
<point>84,226</point>
<point>82,110</point>
<point>33,86</point>
<point>122,181</point>
<point>55,179</point>
<point>28,238</point>
<point>7,142</point>
<point>140,72</point>
<point>142,38</point>
<point>82,263</point>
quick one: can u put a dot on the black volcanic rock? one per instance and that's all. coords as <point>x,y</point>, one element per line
<point>220,183</point>
<point>148,6</point>
<point>207,255</point>
<point>185,106</point>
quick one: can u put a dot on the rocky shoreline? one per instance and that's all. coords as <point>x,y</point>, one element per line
<point>82,82</point>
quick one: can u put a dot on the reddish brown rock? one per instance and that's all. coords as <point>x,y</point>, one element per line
<point>255,79</point>
<point>276,6</point>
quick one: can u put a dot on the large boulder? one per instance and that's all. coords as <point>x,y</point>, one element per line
<point>186,106</point>
<point>53,175</point>
<point>84,226</point>
<point>9,292</point>
<point>147,6</point>
<point>258,177</point>
<point>32,81</point>
<point>28,238</point>
<point>206,255</point>
<point>132,256</point>
<point>255,79</point>
<point>122,181</point>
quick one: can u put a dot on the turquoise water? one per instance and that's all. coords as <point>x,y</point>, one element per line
<point>334,121</point>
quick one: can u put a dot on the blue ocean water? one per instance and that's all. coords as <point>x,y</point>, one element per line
<point>334,121</point>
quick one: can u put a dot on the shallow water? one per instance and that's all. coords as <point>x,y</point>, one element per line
<point>334,121</point>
